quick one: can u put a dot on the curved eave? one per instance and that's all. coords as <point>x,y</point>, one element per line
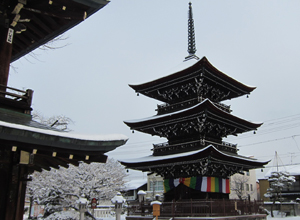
<point>53,27</point>
<point>205,105</point>
<point>41,138</point>
<point>247,89</point>
<point>49,148</point>
<point>210,150</point>
<point>144,87</point>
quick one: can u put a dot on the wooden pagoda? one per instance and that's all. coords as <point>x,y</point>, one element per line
<point>26,145</point>
<point>195,162</point>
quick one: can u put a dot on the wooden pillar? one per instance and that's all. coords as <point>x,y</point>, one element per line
<point>23,172</point>
<point>5,174</point>
<point>11,200</point>
<point>6,37</point>
<point>13,185</point>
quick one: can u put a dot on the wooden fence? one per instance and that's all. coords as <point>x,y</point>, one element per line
<point>199,208</point>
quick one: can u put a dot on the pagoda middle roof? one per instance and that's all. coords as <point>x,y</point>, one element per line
<point>188,71</point>
<point>206,105</point>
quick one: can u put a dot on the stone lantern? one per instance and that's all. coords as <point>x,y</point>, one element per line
<point>141,194</point>
<point>82,204</point>
<point>118,200</point>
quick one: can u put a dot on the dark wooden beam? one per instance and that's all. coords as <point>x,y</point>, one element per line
<point>5,54</point>
<point>35,29</point>
<point>51,21</point>
<point>41,162</point>
<point>13,183</point>
<point>23,172</point>
<point>42,24</point>
<point>28,35</point>
<point>5,173</point>
<point>24,40</point>
<point>17,45</point>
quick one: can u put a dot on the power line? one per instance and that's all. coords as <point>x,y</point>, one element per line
<point>277,139</point>
<point>283,165</point>
<point>275,125</point>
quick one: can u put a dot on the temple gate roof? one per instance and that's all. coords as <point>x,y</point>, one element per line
<point>38,21</point>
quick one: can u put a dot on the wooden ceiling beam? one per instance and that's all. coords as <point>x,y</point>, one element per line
<point>59,161</point>
<point>29,35</point>
<point>51,22</point>
<point>24,40</point>
<point>42,24</point>
<point>34,29</point>
<point>41,162</point>
<point>18,43</point>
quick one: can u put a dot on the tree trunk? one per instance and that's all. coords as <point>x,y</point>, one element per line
<point>272,207</point>
<point>30,207</point>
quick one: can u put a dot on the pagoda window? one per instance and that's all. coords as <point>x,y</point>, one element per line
<point>158,186</point>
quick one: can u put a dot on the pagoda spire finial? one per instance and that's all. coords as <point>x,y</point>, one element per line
<point>191,36</point>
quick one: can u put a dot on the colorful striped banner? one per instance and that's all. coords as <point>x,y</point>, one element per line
<point>202,183</point>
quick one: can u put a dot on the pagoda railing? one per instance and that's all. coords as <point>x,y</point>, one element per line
<point>167,108</point>
<point>199,208</point>
<point>166,148</point>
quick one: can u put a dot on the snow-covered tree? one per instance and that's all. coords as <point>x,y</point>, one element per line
<point>60,122</point>
<point>278,181</point>
<point>238,186</point>
<point>59,189</point>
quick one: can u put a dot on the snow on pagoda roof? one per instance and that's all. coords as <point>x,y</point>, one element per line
<point>152,158</point>
<point>178,71</point>
<point>205,101</point>
<point>166,115</point>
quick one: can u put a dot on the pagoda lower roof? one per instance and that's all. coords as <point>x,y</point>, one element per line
<point>196,69</point>
<point>147,124</point>
<point>45,20</point>
<point>20,131</point>
<point>190,156</point>
<point>151,163</point>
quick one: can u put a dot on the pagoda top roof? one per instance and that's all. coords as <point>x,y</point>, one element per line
<point>18,129</point>
<point>210,150</point>
<point>42,21</point>
<point>187,68</point>
<point>196,109</point>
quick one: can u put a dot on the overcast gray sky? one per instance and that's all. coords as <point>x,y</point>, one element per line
<point>135,41</point>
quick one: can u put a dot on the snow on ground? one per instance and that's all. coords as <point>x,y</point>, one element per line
<point>285,218</point>
<point>123,217</point>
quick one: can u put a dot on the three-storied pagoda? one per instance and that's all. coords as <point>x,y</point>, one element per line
<point>195,162</point>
